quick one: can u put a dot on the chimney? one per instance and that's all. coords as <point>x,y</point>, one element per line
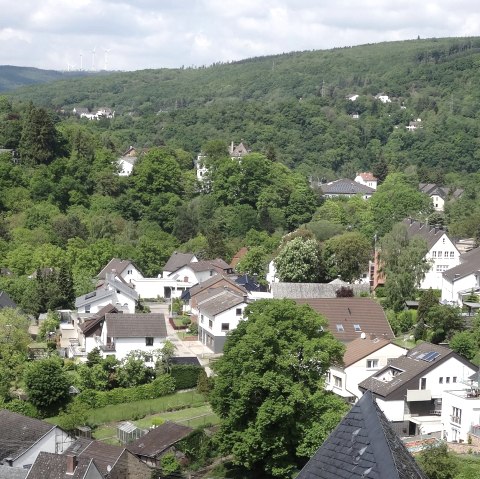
<point>245,297</point>
<point>71,464</point>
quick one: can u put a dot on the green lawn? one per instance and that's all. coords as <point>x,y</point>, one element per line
<point>193,417</point>
<point>138,409</point>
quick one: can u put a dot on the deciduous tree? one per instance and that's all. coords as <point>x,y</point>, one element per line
<point>268,388</point>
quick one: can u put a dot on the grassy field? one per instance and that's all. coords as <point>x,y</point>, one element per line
<point>138,409</point>
<point>192,417</point>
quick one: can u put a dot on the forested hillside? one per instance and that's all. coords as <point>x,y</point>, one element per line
<point>294,105</point>
<point>64,206</point>
<point>12,77</point>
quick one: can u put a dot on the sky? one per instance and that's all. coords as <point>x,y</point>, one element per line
<point>140,34</point>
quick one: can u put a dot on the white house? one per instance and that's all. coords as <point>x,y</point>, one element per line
<point>409,389</point>
<point>218,313</point>
<point>346,188</point>
<point>111,291</point>
<point>366,178</point>
<point>22,439</point>
<point>123,270</point>
<point>461,413</point>
<point>383,98</point>
<point>96,114</point>
<point>352,97</point>
<point>440,194</point>
<point>236,152</point>
<point>442,253</point>
<point>362,357</point>
<point>463,279</point>
<point>124,333</point>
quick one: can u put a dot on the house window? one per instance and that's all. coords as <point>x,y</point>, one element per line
<point>225,327</point>
<point>440,380</point>
<point>452,254</point>
<point>337,382</point>
<point>357,327</point>
<point>211,272</point>
<point>434,254</point>
<point>440,254</point>
<point>87,308</point>
<point>340,328</point>
<point>148,341</point>
<point>201,318</point>
<point>148,359</point>
<point>445,254</point>
<point>210,323</point>
<point>454,379</point>
<point>372,363</point>
<point>441,268</point>
<point>328,377</point>
<point>456,415</point>
<point>447,380</point>
<point>423,383</point>
<point>238,311</point>
<point>130,271</point>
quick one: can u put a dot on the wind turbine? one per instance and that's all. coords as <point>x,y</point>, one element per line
<point>93,58</point>
<point>107,51</point>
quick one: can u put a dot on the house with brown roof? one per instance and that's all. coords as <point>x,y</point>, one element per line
<point>124,333</point>
<point>219,312</point>
<point>362,446</point>
<point>114,462</point>
<point>22,439</point>
<point>348,318</point>
<point>58,466</point>
<point>409,388</point>
<point>362,357</point>
<point>366,178</point>
<point>158,441</point>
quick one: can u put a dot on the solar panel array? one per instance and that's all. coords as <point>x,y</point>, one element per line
<point>429,356</point>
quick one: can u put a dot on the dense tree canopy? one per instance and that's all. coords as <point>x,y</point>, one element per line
<point>268,388</point>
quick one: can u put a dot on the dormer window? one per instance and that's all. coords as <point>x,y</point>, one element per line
<point>340,328</point>
<point>357,327</point>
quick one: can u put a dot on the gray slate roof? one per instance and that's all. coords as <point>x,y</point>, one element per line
<point>470,265</point>
<point>411,368</point>
<point>313,290</point>
<point>6,301</point>
<point>444,192</point>
<point>218,301</point>
<point>103,454</point>
<point>177,260</point>
<point>54,466</point>
<point>429,233</point>
<point>345,186</point>
<point>119,265</point>
<point>19,433</point>
<point>362,446</point>
<point>103,292</point>
<point>158,439</point>
<point>7,472</point>
<point>136,325</point>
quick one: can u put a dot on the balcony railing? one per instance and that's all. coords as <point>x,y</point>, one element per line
<point>107,347</point>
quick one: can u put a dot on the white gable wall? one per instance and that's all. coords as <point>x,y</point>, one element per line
<point>442,256</point>
<point>459,413</point>
<point>55,441</point>
<point>451,289</point>
<point>359,371</point>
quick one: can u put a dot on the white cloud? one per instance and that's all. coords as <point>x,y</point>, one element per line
<point>171,33</point>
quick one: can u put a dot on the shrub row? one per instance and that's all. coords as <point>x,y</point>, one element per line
<point>160,386</point>
<point>185,375</point>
